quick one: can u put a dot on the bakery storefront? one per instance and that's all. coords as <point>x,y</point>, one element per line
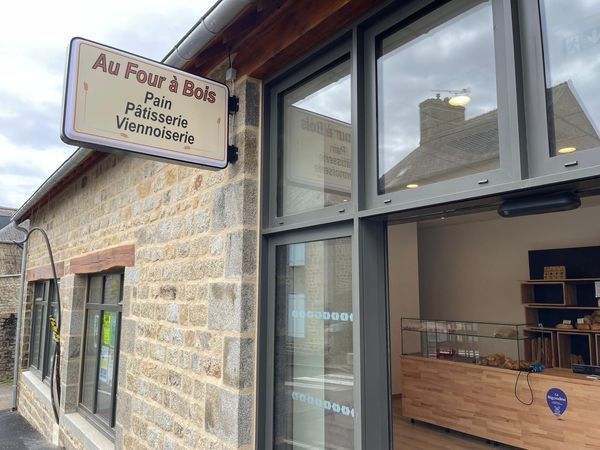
<point>405,255</point>
<point>430,252</point>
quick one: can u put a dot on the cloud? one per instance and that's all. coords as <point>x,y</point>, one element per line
<point>33,45</point>
<point>23,169</point>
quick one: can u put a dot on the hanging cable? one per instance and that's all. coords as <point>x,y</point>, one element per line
<point>528,384</point>
<point>54,324</point>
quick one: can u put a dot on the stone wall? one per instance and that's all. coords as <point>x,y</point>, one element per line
<point>37,410</point>
<point>186,363</point>
<point>10,259</point>
<point>9,297</point>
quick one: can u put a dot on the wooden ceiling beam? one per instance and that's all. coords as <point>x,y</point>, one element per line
<point>270,34</point>
<point>282,30</point>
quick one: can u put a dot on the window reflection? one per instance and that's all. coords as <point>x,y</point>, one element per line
<point>571,40</point>
<point>315,165</point>
<point>426,131</point>
<point>314,381</point>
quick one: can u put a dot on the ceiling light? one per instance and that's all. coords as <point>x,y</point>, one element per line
<point>460,100</point>
<point>567,150</point>
<point>412,186</point>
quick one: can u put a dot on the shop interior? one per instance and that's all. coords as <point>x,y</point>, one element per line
<point>509,294</point>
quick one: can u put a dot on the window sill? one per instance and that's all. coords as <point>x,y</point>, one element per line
<point>40,389</point>
<point>85,432</point>
<point>42,393</point>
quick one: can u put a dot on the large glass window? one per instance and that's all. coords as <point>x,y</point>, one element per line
<point>571,43</point>
<point>437,110</point>
<point>43,345</point>
<point>315,142</point>
<point>314,378</point>
<point>101,347</point>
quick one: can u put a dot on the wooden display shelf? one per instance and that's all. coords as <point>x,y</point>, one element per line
<point>480,401</point>
<point>565,348</point>
<point>563,280</point>
<point>562,330</point>
<point>565,295</point>
<point>546,306</point>
<point>549,348</point>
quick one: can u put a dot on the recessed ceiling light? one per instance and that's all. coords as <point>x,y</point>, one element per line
<point>412,186</point>
<point>567,150</point>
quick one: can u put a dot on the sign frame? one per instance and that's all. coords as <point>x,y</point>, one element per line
<point>70,135</point>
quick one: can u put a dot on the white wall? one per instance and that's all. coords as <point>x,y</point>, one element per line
<point>403,288</point>
<point>471,271</point>
<point>469,267</point>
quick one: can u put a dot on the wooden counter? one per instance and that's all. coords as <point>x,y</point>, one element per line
<point>480,400</point>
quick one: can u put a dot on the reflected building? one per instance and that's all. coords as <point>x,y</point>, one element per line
<point>452,146</point>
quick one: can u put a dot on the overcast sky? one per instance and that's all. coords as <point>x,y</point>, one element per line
<point>33,43</point>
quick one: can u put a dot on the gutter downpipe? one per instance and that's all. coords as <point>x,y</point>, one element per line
<point>17,364</point>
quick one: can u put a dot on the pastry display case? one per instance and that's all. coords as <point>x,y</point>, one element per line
<point>502,345</point>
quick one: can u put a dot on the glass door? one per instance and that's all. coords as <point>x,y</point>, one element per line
<point>312,344</point>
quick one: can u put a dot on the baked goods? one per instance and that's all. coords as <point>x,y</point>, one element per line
<point>503,361</point>
<point>513,364</point>
<point>505,333</point>
<point>576,359</point>
<point>595,326</point>
<point>495,360</point>
<point>584,326</point>
<point>564,326</point>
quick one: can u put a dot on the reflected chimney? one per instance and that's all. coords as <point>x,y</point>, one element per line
<point>437,117</point>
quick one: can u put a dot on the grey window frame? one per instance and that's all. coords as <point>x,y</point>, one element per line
<point>43,372</point>
<point>267,326</point>
<point>581,164</point>
<point>368,215</point>
<point>107,428</point>
<point>302,71</point>
<point>512,166</point>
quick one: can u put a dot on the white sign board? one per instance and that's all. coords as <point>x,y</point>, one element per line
<point>115,100</point>
<point>319,150</point>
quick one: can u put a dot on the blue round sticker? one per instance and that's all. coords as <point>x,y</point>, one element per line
<point>557,401</point>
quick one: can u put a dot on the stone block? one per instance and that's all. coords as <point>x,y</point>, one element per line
<point>132,275</point>
<point>168,292</point>
<point>247,164</point>
<point>128,329</point>
<point>228,416</point>
<point>238,362</point>
<point>231,306</point>
<point>123,408</point>
<point>173,313</point>
<point>241,249</point>
<point>248,91</point>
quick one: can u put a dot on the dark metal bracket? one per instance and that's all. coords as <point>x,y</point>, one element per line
<point>233,104</point>
<point>232,153</point>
